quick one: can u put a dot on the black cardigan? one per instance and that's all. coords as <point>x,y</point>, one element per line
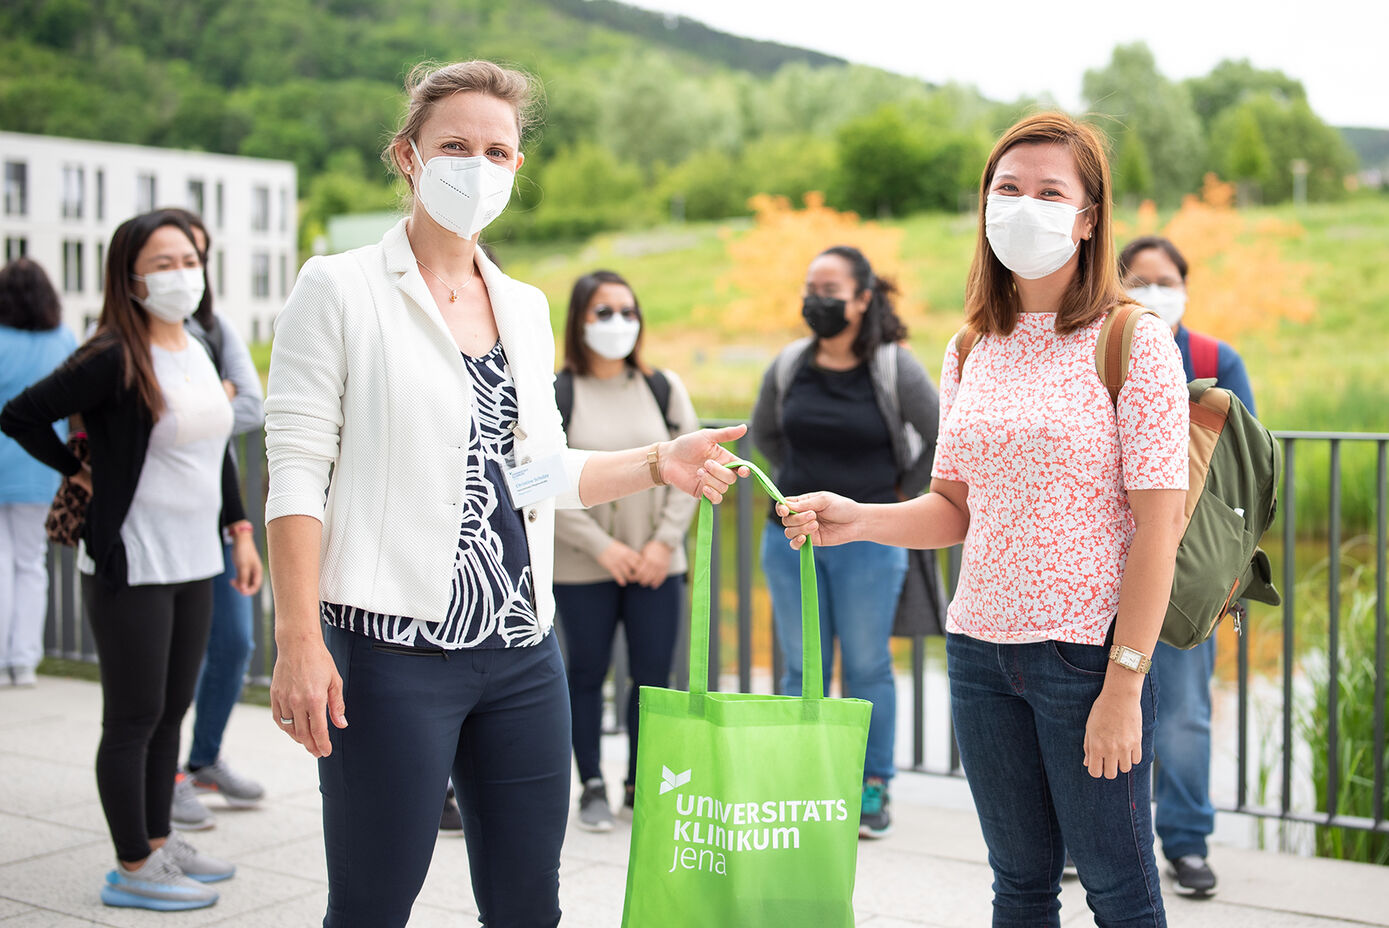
<point>91,383</point>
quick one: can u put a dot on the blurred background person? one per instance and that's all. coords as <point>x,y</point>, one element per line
<point>622,561</point>
<point>157,421</point>
<point>848,409</point>
<point>33,341</point>
<point>1154,273</point>
<point>231,638</point>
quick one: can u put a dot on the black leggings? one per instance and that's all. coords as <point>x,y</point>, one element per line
<point>150,640</point>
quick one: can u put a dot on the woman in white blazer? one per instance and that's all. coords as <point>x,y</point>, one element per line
<point>416,460</point>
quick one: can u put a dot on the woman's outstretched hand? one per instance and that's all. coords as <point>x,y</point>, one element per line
<point>827,518</point>
<point>694,463</point>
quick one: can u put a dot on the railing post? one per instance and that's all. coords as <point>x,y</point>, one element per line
<point>1285,799</point>
<point>1333,637</point>
<point>1381,539</point>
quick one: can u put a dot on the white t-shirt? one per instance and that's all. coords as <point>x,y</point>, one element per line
<point>171,531</point>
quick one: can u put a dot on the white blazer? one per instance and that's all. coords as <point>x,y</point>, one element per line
<point>367,417</point>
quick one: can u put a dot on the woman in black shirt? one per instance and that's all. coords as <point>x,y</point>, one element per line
<point>848,408</point>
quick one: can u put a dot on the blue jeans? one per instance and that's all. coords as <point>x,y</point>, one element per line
<point>588,616</point>
<point>229,647</point>
<point>1020,712</point>
<point>859,586</point>
<point>1182,781</point>
<point>496,721</point>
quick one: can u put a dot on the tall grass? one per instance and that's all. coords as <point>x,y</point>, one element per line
<point>1354,684</point>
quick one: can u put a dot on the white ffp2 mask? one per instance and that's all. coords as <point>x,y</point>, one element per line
<point>1032,238</point>
<point>614,338</point>
<point>1168,302</point>
<point>462,194</point>
<point>173,295</point>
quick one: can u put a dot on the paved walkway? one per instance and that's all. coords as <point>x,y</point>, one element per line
<point>931,872</point>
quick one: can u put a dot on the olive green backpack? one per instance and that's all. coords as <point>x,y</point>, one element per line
<point>1231,499</point>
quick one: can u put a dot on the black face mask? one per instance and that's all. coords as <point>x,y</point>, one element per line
<point>824,315</point>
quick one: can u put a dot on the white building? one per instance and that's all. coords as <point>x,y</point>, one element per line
<point>64,198</point>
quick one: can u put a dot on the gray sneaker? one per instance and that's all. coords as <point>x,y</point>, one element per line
<point>186,812</point>
<point>594,814</point>
<point>158,885</point>
<point>196,866</point>
<point>239,791</point>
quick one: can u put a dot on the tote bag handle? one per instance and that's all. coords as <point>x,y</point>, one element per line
<point>812,675</point>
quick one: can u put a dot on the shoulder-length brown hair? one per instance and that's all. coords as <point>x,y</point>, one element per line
<point>123,321</point>
<point>991,297</point>
<point>575,352</point>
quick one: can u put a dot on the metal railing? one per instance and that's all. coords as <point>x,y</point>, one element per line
<point>67,636</point>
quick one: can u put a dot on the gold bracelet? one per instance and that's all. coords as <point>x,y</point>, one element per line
<point>653,461</point>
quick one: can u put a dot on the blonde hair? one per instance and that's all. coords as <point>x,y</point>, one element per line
<point>427,84</point>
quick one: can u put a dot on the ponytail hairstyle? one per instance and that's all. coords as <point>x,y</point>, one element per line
<point>881,325</point>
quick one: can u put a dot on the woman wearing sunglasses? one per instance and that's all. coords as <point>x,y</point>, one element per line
<point>622,561</point>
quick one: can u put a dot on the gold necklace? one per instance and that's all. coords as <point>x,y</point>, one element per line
<point>453,291</point>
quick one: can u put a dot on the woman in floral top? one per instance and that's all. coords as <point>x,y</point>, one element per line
<point>1070,510</point>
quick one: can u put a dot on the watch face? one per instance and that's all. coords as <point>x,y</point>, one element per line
<point>1129,659</point>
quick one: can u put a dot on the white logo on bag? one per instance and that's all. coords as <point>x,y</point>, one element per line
<point>671,780</point>
<point>708,829</point>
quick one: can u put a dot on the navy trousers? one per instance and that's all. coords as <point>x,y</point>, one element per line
<point>498,722</point>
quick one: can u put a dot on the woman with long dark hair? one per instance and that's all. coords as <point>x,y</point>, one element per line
<point>622,561</point>
<point>851,386</point>
<point>157,422</point>
<point>33,341</point>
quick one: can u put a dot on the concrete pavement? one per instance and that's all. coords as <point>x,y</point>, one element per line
<point>931,872</point>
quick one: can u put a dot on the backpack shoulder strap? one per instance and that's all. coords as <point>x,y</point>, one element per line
<point>1112,352</point>
<point>564,396</point>
<point>1205,355</point>
<point>965,340</point>
<point>659,385</point>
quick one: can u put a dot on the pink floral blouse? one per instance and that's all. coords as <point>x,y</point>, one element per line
<point>1048,462</point>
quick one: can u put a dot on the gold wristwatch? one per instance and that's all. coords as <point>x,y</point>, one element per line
<point>653,461</point>
<point>1130,659</point>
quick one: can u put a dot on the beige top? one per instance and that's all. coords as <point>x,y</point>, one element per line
<point>610,415</point>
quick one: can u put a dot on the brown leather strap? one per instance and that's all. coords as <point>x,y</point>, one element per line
<point>965,340</point>
<point>1112,354</point>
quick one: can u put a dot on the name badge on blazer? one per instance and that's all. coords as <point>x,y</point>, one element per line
<point>536,481</point>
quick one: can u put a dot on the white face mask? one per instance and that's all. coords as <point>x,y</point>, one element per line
<point>613,339</point>
<point>1031,237</point>
<point>173,295</point>
<point>462,194</point>
<point>1168,302</point>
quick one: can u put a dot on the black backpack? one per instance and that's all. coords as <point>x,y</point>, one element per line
<point>656,381</point>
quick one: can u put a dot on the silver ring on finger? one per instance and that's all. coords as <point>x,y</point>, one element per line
<point>286,721</point>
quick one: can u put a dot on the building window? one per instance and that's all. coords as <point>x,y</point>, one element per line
<point>16,188</point>
<point>260,209</point>
<point>221,268</point>
<point>284,276</point>
<point>220,203</point>
<point>145,193</point>
<point>74,190</point>
<point>72,266</point>
<point>16,247</point>
<point>100,266</point>
<point>196,198</point>
<point>100,194</point>
<point>284,209</point>
<point>260,276</point>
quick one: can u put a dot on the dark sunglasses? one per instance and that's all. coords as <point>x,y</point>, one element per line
<point>603,312</point>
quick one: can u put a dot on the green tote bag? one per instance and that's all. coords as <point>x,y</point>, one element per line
<point>747,806</point>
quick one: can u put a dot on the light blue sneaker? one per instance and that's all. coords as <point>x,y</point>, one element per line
<point>159,885</point>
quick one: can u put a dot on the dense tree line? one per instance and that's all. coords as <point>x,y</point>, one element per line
<point>647,117</point>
